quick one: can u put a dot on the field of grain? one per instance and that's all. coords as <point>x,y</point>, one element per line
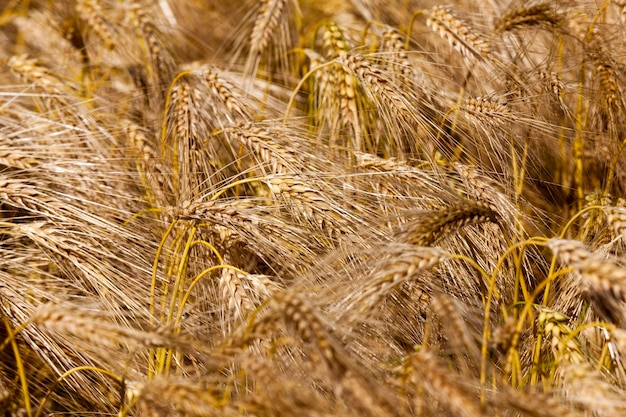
<point>308,208</point>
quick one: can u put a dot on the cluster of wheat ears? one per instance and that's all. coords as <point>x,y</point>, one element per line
<point>309,208</point>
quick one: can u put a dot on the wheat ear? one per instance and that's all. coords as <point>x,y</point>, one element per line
<point>458,33</point>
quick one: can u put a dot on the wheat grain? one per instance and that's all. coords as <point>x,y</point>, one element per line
<point>271,28</point>
<point>394,104</point>
<point>375,81</point>
<point>242,293</point>
<point>87,325</point>
<point>487,191</point>
<point>564,345</point>
<point>607,286</point>
<point>554,84</point>
<point>604,278</point>
<point>315,204</point>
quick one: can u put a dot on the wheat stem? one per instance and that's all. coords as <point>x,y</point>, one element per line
<point>19,364</point>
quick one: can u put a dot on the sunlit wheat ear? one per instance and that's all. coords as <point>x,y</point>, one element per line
<point>335,42</point>
<point>278,392</point>
<point>530,15</point>
<point>396,54</point>
<point>485,110</point>
<point>427,228</point>
<point>272,33</point>
<point>610,82</point>
<point>228,99</point>
<point>234,294</point>
<point>424,370</point>
<point>376,83</point>
<point>280,243</point>
<point>345,377</point>
<point>157,180</point>
<point>621,6</point>
<point>314,204</point>
<point>569,252</point>
<point>606,283</point>
<point>553,84</point>
<point>603,278</point>
<point>242,293</point>
<point>459,34</point>
<point>162,395</point>
<point>24,195</point>
<point>562,339</point>
<point>89,325</point>
<point>160,68</point>
<point>590,389</point>
<point>395,105</point>
<point>533,403</point>
<point>486,190</point>
<point>186,127</point>
<point>310,327</point>
<point>262,142</point>
<point>32,71</point>
<point>91,13</point>
<point>452,315</point>
<point>13,158</point>
<point>401,169</point>
<point>616,216</point>
<point>392,271</point>
<point>267,20</point>
<point>337,95</point>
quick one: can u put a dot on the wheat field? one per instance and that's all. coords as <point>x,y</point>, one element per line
<point>304,208</point>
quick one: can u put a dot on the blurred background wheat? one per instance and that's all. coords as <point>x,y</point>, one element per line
<point>303,208</point>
